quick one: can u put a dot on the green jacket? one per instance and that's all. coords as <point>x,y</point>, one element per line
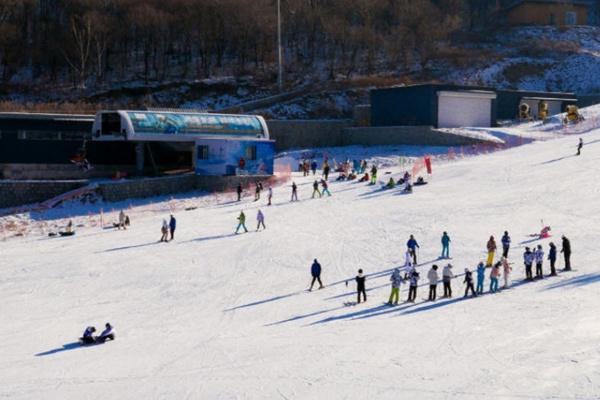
<point>242,218</point>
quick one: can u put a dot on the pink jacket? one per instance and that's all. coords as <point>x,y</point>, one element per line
<point>495,273</point>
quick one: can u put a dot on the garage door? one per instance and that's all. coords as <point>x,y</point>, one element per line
<point>464,109</point>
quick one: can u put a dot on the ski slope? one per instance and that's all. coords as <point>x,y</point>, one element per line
<point>213,315</point>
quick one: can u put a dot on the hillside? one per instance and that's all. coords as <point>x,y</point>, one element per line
<point>215,315</point>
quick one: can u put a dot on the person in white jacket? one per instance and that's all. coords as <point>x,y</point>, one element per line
<point>507,269</point>
<point>539,259</point>
<point>122,220</point>
<point>447,276</point>
<point>408,259</point>
<point>433,277</point>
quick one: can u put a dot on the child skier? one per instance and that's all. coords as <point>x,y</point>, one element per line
<point>88,335</point>
<point>294,192</point>
<point>491,248</point>
<point>528,258</point>
<point>445,245</point>
<point>165,231</point>
<point>414,284</point>
<point>469,282</point>
<point>505,244</point>
<point>316,189</point>
<point>412,247</point>
<point>360,285</point>
<point>315,271</point>
<point>270,195</point>
<point>552,259</point>
<point>433,277</point>
<point>480,278</point>
<point>325,187</point>
<point>242,222</point>
<point>447,277</point>
<point>396,280</point>
<point>539,259</point>
<point>494,275</point>
<point>579,146</point>
<point>107,334</point>
<point>506,269</point>
<point>261,220</point>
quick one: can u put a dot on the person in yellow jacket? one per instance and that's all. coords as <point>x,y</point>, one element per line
<point>242,222</point>
<point>491,248</point>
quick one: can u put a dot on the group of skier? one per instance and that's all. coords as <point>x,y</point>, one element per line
<point>89,338</point>
<point>501,268</point>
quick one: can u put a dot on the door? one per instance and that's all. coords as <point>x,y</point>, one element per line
<point>455,111</point>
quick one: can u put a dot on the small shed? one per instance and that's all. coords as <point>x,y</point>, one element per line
<point>438,105</point>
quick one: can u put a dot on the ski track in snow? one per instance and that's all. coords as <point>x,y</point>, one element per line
<point>223,316</point>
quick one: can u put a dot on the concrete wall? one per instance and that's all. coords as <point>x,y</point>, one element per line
<point>408,135</point>
<point>299,134</point>
<point>61,171</point>
<point>588,100</point>
<point>17,193</point>
<point>150,187</point>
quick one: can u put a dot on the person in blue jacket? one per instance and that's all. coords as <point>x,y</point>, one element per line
<point>505,244</point>
<point>313,167</point>
<point>315,271</point>
<point>172,226</point>
<point>480,278</point>
<point>412,248</point>
<point>445,245</point>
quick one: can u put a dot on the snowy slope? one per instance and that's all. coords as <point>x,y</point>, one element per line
<point>217,316</point>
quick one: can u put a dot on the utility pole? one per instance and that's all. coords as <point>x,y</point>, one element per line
<point>279,52</point>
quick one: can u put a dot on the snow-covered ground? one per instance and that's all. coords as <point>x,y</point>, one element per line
<point>213,315</point>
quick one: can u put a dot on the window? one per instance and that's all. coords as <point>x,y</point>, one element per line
<point>571,18</point>
<point>202,152</point>
<point>111,124</point>
<point>251,153</point>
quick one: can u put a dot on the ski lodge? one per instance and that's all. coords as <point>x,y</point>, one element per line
<point>133,143</point>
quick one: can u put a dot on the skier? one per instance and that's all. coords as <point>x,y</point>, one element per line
<point>566,250</point>
<point>326,169</point>
<point>360,285</point>
<point>396,280</point>
<point>505,244</point>
<point>469,282</point>
<point>294,192</point>
<point>579,146</point>
<point>121,220</point>
<point>539,259</point>
<point>270,195</point>
<point>239,192</point>
<point>552,258</point>
<point>315,271</point>
<point>412,247</point>
<point>433,277</point>
<point>257,191</point>
<point>313,167</point>
<point>391,184</point>
<point>414,284</point>
<point>172,226</point>
<point>325,187</point>
<point>480,277</point>
<point>69,227</point>
<point>88,335</point>
<point>242,222</point>
<point>165,231</point>
<point>507,269</point>
<point>365,178</point>
<point>445,245</point>
<point>494,275</point>
<point>491,248</point>
<point>373,175</point>
<point>261,220</point>
<point>447,277</point>
<point>107,334</point>
<point>316,189</point>
<point>407,259</point>
<point>528,258</point>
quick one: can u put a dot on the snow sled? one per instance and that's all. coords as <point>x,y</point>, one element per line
<point>72,233</point>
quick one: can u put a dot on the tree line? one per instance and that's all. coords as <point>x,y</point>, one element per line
<point>95,42</point>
